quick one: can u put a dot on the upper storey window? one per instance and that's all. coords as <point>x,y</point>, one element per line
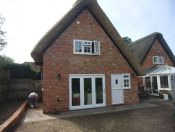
<point>86,47</point>
<point>158,60</point>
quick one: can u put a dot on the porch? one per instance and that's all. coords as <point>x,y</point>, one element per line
<point>159,80</point>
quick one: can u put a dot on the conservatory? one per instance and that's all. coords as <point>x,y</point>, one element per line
<point>159,78</point>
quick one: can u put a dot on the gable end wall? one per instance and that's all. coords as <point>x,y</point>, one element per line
<point>156,50</point>
<point>59,59</point>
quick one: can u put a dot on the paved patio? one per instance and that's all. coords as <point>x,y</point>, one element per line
<point>33,115</point>
<point>150,115</point>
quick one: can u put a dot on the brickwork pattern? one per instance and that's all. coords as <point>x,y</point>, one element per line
<point>156,50</point>
<point>59,59</point>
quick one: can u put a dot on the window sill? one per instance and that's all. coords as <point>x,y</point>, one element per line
<point>164,89</point>
<point>86,54</point>
<point>126,88</point>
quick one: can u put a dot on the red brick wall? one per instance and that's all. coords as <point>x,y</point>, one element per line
<point>59,59</point>
<point>156,50</point>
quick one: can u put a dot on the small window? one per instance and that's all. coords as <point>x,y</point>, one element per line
<point>158,60</point>
<point>86,47</point>
<point>126,81</point>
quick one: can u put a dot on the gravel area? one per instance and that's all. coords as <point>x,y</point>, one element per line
<point>151,119</point>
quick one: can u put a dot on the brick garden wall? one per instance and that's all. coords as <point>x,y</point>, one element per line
<point>59,59</point>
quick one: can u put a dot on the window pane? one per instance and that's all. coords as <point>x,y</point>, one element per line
<point>148,84</point>
<point>93,47</point>
<point>87,91</point>
<point>164,81</point>
<point>78,46</point>
<point>162,60</point>
<point>155,59</point>
<point>126,76</point>
<point>96,47</point>
<point>87,49</point>
<point>99,90</point>
<point>75,91</point>
<point>126,81</point>
<point>154,85</point>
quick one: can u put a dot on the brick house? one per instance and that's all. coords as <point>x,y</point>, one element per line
<point>158,61</point>
<point>85,62</point>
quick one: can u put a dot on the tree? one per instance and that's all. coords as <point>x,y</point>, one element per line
<point>127,39</point>
<point>5,60</point>
<point>3,43</point>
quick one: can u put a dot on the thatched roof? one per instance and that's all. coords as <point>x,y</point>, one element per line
<point>142,46</point>
<point>102,19</point>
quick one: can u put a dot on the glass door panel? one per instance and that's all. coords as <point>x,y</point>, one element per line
<point>148,84</point>
<point>87,91</point>
<point>154,85</point>
<point>99,90</point>
<point>75,91</point>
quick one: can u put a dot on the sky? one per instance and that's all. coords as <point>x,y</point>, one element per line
<point>27,21</point>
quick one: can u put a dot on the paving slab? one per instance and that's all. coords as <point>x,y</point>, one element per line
<point>104,110</point>
<point>155,116</point>
<point>33,115</point>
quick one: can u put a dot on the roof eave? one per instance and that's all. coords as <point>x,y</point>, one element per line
<point>57,29</point>
<point>167,49</point>
<point>106,24</point>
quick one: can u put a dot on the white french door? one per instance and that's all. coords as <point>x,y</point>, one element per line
<point>86,91</point>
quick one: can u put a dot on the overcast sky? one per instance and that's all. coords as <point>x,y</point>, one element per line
<point>28,20</point>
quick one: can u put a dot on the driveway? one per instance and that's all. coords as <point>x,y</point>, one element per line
<point>156,117</point>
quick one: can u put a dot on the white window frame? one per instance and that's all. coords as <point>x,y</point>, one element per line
<point>127,78</point>
<point>94,104</point>
<point>161,60</point>
<point>161,82</point>
<point>158,60</point>
<point>74,48</point>
<point>87,43</point>
<point>121,81</point>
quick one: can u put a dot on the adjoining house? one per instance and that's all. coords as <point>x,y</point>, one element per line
<point>158,61</point>
<point>85,62</point>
